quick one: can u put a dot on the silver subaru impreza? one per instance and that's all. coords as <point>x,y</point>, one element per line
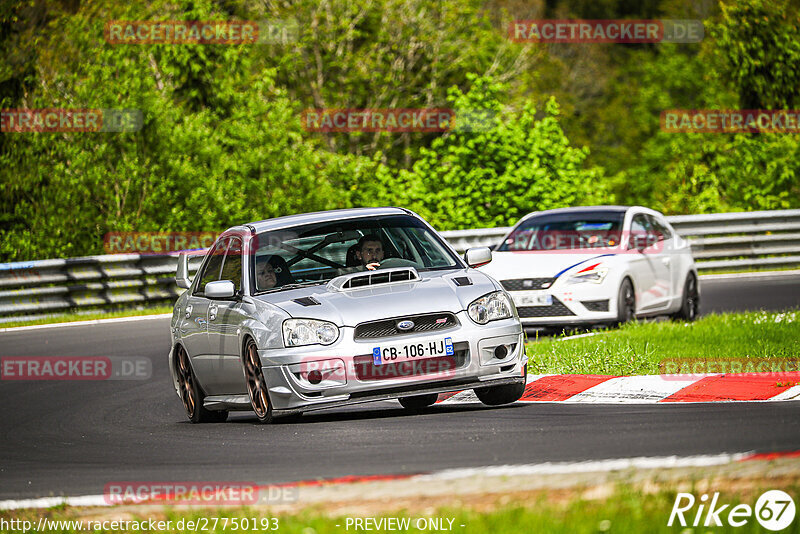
<point>327,309</point>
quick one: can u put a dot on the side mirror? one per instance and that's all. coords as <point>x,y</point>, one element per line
<point>182,273</point>
<point>221,289</point>
<point>477,256</point>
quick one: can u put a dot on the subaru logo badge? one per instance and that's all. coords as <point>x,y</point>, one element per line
<point>405,325</point>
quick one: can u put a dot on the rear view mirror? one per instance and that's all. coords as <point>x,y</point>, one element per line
<point>477,256</point>
<point>220,289</point>
<point>182,272</point>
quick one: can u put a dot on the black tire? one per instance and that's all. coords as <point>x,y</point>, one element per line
<point>418,402</point>
<point>192,394</point>
<point>256,386</point>
<point>626,302</point>
<point>690,301</point>
<point>499,395</point>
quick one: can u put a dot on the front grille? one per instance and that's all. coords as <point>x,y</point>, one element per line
<point>524,284</point>
<point>443,366</point>
<point>422,323</point>
<point>596,305</point>
<point>556,309</point>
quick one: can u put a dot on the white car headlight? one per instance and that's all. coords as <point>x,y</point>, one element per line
<point>297,332</point>
<point>490,307</point>
<point>594,276</point>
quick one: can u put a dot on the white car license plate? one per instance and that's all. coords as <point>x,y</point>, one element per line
<point>532,299</point>
<point>402,352</point>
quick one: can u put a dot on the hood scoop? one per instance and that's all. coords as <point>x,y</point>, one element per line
<point>307,301</point>
<point>462,281</point>
<point>373,278</point>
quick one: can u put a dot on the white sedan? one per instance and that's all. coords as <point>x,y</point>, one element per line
<point>594,265</point>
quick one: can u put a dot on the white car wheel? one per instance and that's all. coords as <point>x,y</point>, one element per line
<point>626,302</point>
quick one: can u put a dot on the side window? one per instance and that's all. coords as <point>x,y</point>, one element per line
<point>661,229</point>
<point>640,229</point>
<point>639,224</point>
<point>232,268</point>
<point>213,265</point>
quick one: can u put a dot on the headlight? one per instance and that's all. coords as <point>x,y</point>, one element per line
<point>595,276</point>
<point>298,332</point>
<point>490,307</point>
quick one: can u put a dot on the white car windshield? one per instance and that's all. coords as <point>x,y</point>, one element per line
<point>576,230</point>
<point>316,253</point>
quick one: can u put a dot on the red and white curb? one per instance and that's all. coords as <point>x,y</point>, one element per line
<point>546,468</point>
<point>649,389</point>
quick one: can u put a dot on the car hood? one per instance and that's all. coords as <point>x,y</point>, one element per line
<point>538,264</point>
<point>435,291</point>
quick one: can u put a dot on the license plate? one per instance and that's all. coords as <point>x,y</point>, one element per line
<point>403,352</point>
<point>532,299</point>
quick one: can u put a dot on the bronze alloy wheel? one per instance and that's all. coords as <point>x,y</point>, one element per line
<point>192,394</point>
<point>256,386</point>
<point>186,384</point>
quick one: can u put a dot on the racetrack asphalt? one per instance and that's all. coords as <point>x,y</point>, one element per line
<point>73,438</point>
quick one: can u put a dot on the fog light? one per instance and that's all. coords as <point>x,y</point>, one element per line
<point>314,377</point>
<point>500,352</point>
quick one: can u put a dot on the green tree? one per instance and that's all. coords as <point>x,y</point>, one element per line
<point>496,168</point>
<point>391,54</point>
<point>205,159</point>
<point>759,44</point>
<point>750,59</point>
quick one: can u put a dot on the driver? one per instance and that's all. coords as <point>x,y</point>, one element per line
<point>370,252</point>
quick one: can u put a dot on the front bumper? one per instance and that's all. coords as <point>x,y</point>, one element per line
<point>354,378</point>
<point>585,303</point>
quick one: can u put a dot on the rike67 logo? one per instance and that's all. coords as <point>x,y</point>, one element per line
<point>774,510</point>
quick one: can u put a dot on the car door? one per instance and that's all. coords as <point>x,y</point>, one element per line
<point>194,330</point>
<point>665,262</point>
<point>641,264</point>
<point>224,319</point>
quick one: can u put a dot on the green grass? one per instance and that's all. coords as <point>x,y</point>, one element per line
<point>638,348</point>
<point>71,317</point>
<point>625,511</point>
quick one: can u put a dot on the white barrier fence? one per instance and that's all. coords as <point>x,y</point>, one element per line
<point>750,240</point>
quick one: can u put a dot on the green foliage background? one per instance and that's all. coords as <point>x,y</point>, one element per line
<point>222,142</point>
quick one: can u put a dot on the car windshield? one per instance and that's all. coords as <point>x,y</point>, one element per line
<point>566,231</point>
<point>315,253</point>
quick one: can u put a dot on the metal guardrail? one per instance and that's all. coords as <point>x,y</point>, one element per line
<point>95,282</point>
<point>36,288</point>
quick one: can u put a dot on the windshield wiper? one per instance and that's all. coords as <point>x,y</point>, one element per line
<point>297,285</point>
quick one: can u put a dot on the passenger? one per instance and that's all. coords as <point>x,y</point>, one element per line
<point>272,271</point>
<point>370,252</point>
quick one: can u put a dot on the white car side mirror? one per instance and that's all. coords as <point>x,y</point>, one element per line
<point>477,256</point>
